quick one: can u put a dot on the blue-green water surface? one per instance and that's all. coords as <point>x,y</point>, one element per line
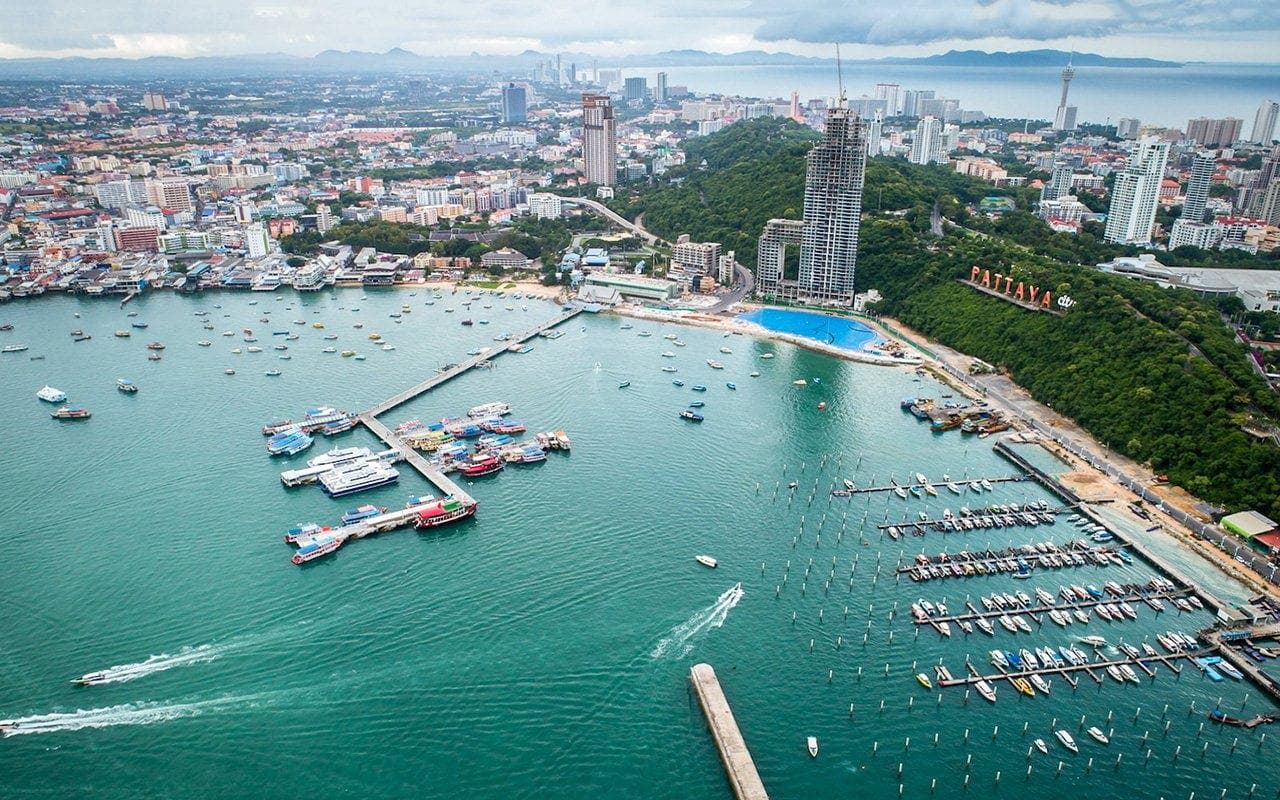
<point>542,648</point>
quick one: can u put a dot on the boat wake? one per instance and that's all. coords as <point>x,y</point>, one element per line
<point>713,616</point>
<point>159,663</point>
<point>110,716</point>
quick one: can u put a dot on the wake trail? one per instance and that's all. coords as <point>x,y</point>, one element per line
<point>713,616</point>
<point>122,673</point>
<point>110,716</point>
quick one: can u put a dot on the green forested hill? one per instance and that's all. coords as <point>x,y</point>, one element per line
<point>1153,373</point>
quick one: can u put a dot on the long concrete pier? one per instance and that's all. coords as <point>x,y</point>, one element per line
<point>460,368</point>
<point>738,766</point>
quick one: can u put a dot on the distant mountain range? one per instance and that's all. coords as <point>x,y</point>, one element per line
<point>399,60</point>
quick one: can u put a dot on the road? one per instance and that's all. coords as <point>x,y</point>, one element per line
<point>1076,441</point>
<point>617,219</point>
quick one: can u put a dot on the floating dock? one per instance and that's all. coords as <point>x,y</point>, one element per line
<point>962,484</point>
<point>919,527</point>
<point>1168,659</point>
<point>738,766</point>
<point>1222,646</point>
<point>1044,610</point>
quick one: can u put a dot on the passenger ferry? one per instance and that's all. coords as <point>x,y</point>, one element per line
<point>489,410</point>
<point>67,412</point>
<point>360,478</point>
<point>126,386</point>
<point>445,511</point>
<point>318,548</point>
<point>486,465</point>
<point>361,513</point>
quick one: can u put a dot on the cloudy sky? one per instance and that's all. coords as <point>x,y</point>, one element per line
<point>1241,30</point>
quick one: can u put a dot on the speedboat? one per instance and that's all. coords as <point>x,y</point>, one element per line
<point>1039,682</point>
<point>706,561</point>
<point>126,386</point>
<point>812,744</point>
<point>986,690</point>
<point>1067,741</point>
<point>924,680</point>
<point>1093,641</point>
<point>91,679</point>
<point>984,626</point>
<point>1098,735</point>
<point>1041,746</point>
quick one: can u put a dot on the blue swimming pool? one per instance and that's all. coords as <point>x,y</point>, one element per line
<point>837,331</point>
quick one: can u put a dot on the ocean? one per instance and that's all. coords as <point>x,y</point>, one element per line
<point>541,648</point>
<point>1167,97</point>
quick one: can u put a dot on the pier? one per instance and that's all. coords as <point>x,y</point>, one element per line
<point>1071,498</point>
<point>1222,646</point>
<point>458,369</point>
<point>1043,609</point>
<point>977,521</point>
<point>1168,659</point>
<point>963,484</point>
<point>413,458</point>
<point>738,766</point>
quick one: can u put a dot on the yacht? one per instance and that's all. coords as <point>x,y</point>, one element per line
<point>1067,741</point>
<point>52,395</point>
<point>1098,735</point>
<point>812,744</point>
<point>1041,746</point>
<point>987,691</point>
<point>127,386</point>
<point>706,561</point>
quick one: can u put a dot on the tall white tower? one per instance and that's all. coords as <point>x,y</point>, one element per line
<point>1065,118</point>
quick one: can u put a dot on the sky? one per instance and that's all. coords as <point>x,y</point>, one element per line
<point>1180,30</point>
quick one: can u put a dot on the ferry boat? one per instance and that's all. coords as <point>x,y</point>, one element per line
<point>706,561</point>
<point>317,548</point>
<point>51,395</point>
<point>342,482</point>
<point>486,465</point>
<point>691,416</point>
<point>494,409</point>
<point>68,412</point>
<point>443,512</point>
<point>338,426</point>
<point>13,348</point>
<point>290,443</point>
<point>126,386</point>
<point>362,513</point>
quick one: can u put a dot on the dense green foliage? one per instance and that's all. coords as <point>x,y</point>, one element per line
<point>1153,373</point>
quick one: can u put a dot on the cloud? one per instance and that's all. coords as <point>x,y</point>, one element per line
<point>912,22</point>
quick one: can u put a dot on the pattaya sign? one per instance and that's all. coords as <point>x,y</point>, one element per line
<point>1018,291</point>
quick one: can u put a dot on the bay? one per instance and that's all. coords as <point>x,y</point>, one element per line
<point>542,648</point>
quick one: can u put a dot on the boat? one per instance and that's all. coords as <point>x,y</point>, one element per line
<point>698,388</point>
<point>348,353</point>
<point>755,375</point>
<point>669,369</point>
<point>69,412</point>
<point>444,511</point>
<point>986,690</point>
<point>624,384</point>
<point>1093,641</point>
<point>731,385</point>
<point>1041,746</point>
<point>812,744</point>
<point>138,324</point>
<point>485,465</point>
<point>205,343</point>
<point>361,513</point>
<point>691,416</point>
<point>924,680</point>
<point>1023,686</point>
<point>696,404</point>
<point>714,364</point>
<point>13,348</point>
<point>706,561</point>
<point>51,395</point>
<point>1067,741</point>
<point>1230,671</point>
<point>801,382</point>
<point>153,356</point>
<point>1098,735</point>
<point>228,372</point>
<point>126,386</point>
<point>1038,681</point>
<point>317,548</point>
<point>984,626</point>
<point>272,373</point>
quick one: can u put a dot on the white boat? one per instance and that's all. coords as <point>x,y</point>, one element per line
<point>706,561</point>
<point>1039,682</point>
<point>986,485</point>
<point>1093,641</point>
<point>812,744</point>
<point>52,395</point>
<point>984,626</point>
<point>986,690</point>
<point>1129,674</point>
<point>1098,735</point>
<point>1041,746</point>
<point>1067,741</point>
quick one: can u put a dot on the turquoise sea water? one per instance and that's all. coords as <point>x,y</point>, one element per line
<point>836,331</point>
<point>542,648</point>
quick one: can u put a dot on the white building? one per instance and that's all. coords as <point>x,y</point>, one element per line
<point>1136,193</point>
<point>697,258</point>
<point>1264,122</point>
<point>150,217</point>
<point>257,242</point>
<point>599,140</point>
<point>927,146</point>
<point>544,205</point>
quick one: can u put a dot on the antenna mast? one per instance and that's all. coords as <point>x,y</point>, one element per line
<point>839,78</point>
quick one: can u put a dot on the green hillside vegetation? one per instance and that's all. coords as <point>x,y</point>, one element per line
<point>1152,373</point>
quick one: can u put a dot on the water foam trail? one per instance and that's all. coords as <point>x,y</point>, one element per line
<point>713,616</point>
<point>122,673</point>
<point>109,716</point>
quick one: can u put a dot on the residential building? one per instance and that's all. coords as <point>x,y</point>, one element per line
<point>726,272</point>
<point>1264,122</point>
<point>700,258</point>
<point>1066,210</point>
<point>514,104</point>
<point>150,216</point>
<point>137,239</point>
<point>154,101</point>
<point>256,242</point>
<point>1136,193</point>
<point>660,88</point>
<point>635,90</point>
<point>1127,128</point>
<point>1270,204</point>
<point>1059,185</point>
<point>828,235</point>
<point>599,140</point>
<point>985,168</point>
<point>120,194</point>
<point>546,206</point>
<point>927,146</point>
<point>889,93</point>
<point>875,133</point>
<point>1214,132</point>
<point>324,218</point>
<point>1197,195</point>
<point>172,193</point>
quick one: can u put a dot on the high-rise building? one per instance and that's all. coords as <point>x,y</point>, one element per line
<point>912,99</point>
<point>1127,128</point>
<point>660,88</point>
<point>927,146</point>
<point>635,90</point>
<point>324,218</point>
<point>1136,193</point>
<point>1214,132</point>
<point>599,140</point>
<point>889,93</point>
<point>256,241</point>
<point>1202,169</point>
<point>172,193</point>
<point>1065,118</point>
<point>514,104</point>
<point>828,236</point>
<point>1270,208</point>
<point>1059,185</point>
<point>1264,122</point>
<point>154,101</point>
<point>875,132</point>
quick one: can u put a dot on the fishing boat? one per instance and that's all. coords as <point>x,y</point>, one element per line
<point>51,395</point>
<point>126,386</point>
<point>924,680</point>
<point>1098,735</point>
<point>706,561</point>
<point>69,412</point>
<point>812,744</point>
<point>1067,741</point>
<point>986,690</point>
<point>691,416</point>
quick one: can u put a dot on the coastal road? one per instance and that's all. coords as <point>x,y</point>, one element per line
<point>1042,419</point>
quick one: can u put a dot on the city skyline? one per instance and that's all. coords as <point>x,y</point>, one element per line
<point>129,29</point>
